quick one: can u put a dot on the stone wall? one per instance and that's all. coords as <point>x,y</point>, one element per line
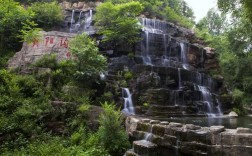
<point>165,138</point>
<point>50,42</point>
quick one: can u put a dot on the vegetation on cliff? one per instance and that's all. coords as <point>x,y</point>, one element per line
<point>229,32</point>
<point>46,112</point>
<point>33,118</point>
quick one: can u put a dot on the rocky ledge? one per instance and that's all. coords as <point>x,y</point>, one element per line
<point>166,138</point>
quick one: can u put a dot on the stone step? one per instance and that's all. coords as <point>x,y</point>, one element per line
<point>131,153</point>
<point>145,148</point>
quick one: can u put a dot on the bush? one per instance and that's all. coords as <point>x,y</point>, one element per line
<point>60,72</point>
<point>12,17</point>
<point>47,15</point>
<point>96,151</point>
<point>47,61</point>
<point>118,23</point>
<point>110,121</point>
<point>128,75</point>
<point>23,101</point>
<point>88,62</point>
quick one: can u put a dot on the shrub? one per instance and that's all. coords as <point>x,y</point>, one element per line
<point>12,17</point>
<point>110,121</point>
<point>95,151</point>
<point>88,62</point>
<point>118,23</point>
<point>128,75</point>
<point>47,15</point>
<point>47,61</point>
<point>23,101</point>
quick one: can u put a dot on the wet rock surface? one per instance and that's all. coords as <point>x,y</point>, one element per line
<point>188,139</point>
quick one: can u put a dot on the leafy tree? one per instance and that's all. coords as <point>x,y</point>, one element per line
<point>47,15</point>
<point>111,133</point>
<point>23,101</point>
<point>185,10</point>
<point>88,62</point>
<point>214,22</point>
<point>12,17</point>
<point>118,23</point>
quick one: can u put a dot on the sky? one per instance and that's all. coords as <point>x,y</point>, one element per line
<point>200,7</point>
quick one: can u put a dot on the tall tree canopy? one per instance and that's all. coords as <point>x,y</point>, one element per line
<point>118,22</point>
<point>12,17</point>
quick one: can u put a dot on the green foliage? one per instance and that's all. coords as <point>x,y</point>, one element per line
<point>47,61</point>
<point>107,96</point>
<point>110,121</point>
<point>29,33</point>
<point>128,75</point>
<point>12,16</point>
<point>146,105</point>
<point>4,57</point>
<point>172,16</point>
<point>237,95</point>
<point>95,151</point>
<point>88,62</point>
<point>59,72</point>
<point>118,22</point>
<point>22,103</point>
<point>47,15</point>
<point>214,22</point>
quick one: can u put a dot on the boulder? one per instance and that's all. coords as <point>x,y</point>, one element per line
<point>145,148</point>
<point>243,130</point>
<point>233,114</point>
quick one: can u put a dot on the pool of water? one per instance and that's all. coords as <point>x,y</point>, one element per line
<point>231,123</point>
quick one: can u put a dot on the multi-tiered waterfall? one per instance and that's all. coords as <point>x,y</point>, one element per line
<point>164,53</point>
<point>178,84</point>
<point>81,21</point>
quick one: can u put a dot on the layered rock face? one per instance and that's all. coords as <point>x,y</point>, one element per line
<point>171,73</point>
<point>152,138</point>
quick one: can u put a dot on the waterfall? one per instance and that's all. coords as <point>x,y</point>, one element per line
<point>208,100</point>
<point>183,55</point>
<point>84,23</point>
<point>154,26</point>
<point>147,59</point>
<point>128,104</point>
<point>162,48</point>
<point>88,21</point>
<point>78,24</point>
<point>72,21</point>
<point>165,59</point>
<point>148,136</point>
<point>179,78</point>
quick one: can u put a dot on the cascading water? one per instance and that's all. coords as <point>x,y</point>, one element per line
<point>88,21</point>
<point>128,104</point>
<point>72,21</point>
<point>183,55</point>
<point>179,78</point>
<point>146,56</point>
<point>84,22</point>
<point>156,38</point>
<point>148,136</point>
